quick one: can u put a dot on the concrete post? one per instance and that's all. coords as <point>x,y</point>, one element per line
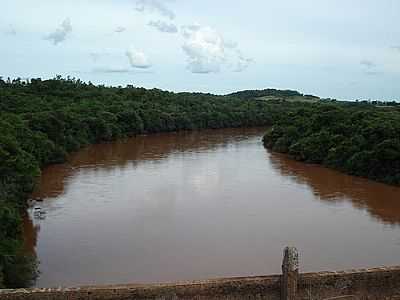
<point>290,273</point>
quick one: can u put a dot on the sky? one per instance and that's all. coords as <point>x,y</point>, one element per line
<point>330,48</point>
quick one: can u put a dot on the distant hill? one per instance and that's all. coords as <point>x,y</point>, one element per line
<point>273,94</point>
<point>41,121</point>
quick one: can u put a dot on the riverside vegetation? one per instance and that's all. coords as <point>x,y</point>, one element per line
<point>355,138</point>
<point>41,121</point>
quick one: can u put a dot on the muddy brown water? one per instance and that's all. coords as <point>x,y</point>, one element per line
<point>206,204</point>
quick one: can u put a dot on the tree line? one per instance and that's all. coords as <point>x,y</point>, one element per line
<point>41,121</point>
<point>361,139</point>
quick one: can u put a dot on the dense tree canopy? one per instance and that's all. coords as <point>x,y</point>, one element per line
<point>251,94</point>
<point>357,138</point>
<point>41,121</point>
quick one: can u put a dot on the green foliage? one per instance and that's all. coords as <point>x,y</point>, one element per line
<point>20,270</point>
<point>43,120</point>
<point>16,268</point>
<point>251,94</point>
<point>358,138</point>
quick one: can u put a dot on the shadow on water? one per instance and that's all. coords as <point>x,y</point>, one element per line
<point>132,152</point>
<point>208,167</point>
<point>126,153</point>
<point>381,201</point>
<point>30,234</point>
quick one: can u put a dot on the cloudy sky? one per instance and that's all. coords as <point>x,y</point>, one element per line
<point>332,48</point>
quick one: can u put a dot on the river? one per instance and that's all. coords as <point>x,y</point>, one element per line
<point>196,205</point>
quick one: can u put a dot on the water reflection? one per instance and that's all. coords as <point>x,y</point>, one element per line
<point>380,200</point>
<point>132,152</point>
<point>30,234</point>
<point>193,205</point>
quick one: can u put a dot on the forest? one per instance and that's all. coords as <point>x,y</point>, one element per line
<point>41,121</point>
<point>361,139</point>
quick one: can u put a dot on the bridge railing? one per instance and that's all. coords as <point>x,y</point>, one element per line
<point>366,284</point>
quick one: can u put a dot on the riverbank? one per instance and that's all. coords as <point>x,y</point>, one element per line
<point>43,120</point>
<point>356,139</point>
<point>187,205</point>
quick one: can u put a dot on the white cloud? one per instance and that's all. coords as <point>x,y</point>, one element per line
<point>242,62</point>
<point>207,51</point>
<point>11,31</point>
<point>163,26</point>
<point>137,59</point>
<point>60,34</point>
<point>119,29</point>
<point>373,73</point>
<point>111,70</point>
<point>99,55</point>
<point>95,56</point>
<point>367,63</point>
<point>230,44</point>
<point>204,48</point>
<point>154,6</point>
<point>371,68</point>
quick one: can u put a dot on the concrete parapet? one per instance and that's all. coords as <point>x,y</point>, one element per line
<point>366,284</point>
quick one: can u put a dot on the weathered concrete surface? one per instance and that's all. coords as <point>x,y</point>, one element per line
<point>235,288</point>
<point>290,273</point>
<point>368,284</point>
